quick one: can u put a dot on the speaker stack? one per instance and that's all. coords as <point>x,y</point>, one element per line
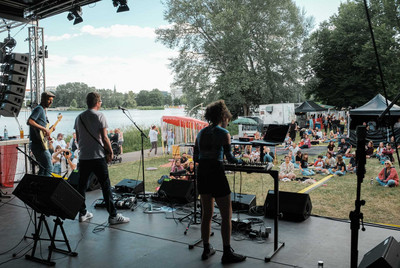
<point>13,80</point>
<point>292,206</point>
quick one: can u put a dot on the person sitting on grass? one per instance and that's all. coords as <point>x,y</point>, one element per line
<point>369,149</point>
<point>237,152</point>
<point>330,162</point>
<point>176,167</point>
<point>331,147</point>
<point>352,166</point>
<point>190,171</point>
<point>297,159</point>
<point>185,160</point>
<point>305,171</point>
<point>344,147</point>
<point>388,153</point>
<point>269,156</point>
<point>319,164</point>
<point>379,151</point>
<point>340,168</point>
<point>307,143</point>
<point>286,170</point>
<point>388,176</point>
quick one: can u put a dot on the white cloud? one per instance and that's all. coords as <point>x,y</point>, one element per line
<point>49,38</point>
<point>119,30</point>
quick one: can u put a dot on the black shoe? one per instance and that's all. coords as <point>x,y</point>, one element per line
<point>232,257</point>
<point>207,253</point>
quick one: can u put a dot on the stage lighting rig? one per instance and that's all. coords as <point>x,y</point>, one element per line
<point>121,4</point>
<point>75,13</point>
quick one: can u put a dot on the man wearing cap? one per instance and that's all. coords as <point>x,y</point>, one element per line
<point>37,122</point>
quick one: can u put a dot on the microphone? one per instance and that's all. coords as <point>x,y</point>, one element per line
<point>122,108</point>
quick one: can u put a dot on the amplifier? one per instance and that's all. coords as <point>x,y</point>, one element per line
<point>243,201</point>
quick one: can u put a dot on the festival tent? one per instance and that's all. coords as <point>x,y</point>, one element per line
<point>184,128</point>
<point>369,113</point>
<point>308,107</point>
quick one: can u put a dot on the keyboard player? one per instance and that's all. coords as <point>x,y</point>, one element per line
<point>212,143</point>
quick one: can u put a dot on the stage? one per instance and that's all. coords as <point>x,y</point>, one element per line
<point>158,240</point>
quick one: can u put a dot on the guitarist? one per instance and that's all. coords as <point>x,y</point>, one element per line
<point>37,122</point>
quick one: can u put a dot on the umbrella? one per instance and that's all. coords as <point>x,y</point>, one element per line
<point>245,121</point>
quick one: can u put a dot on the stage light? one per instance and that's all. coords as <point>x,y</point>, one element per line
<point>121,4</point>
<point>75,12</point>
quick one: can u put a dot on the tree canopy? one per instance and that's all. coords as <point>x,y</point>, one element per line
<point>244,51</point>
<point>343,69</point>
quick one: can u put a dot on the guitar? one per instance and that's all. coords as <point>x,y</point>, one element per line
<point>46,139</point>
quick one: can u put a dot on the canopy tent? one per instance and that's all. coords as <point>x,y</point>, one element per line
<point>369,114</point>
<point>308,107</point>
<point>184,128</point>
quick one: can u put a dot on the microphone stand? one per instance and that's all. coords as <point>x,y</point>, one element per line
<point>356,216</point>
<point>142,136</point>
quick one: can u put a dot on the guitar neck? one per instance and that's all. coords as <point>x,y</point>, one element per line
<point>54,126</point>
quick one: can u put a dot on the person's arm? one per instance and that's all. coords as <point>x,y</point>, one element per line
<point>381,174</point>
<point>33,123</point>
<point>228,150</point>
<point>68,157</point>
<point>107,145</point>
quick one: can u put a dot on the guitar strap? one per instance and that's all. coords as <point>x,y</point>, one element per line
<point>87,130</point>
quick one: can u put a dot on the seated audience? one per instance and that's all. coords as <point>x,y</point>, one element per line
<point>369,149</point>
<point>255,155</point>
<point>344,147</point>
<point>307,143</point>
<point>330,162</point>
<point>269,156</point>
<point>340,168</point>
<point>388,176</point>
<point>177,166</point>
<point>379,151</point>
<point>331,147</point>
<point>319,164</point>
<point>286,170</point>
<point>190,170</point>
<point>184,160</point>
<point>387,153</point>
<point>297,159</point>
<point>352,166</point>
<point>237,152</point>
<point>305,171</point>
<point>60,141</point>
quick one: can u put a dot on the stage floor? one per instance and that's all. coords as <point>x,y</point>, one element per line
<point>158,240</point>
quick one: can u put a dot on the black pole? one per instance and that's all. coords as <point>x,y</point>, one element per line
<point>142,135</point>
<point>356,216</point>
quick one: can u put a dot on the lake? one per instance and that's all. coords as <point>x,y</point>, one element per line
<point>115,119</point>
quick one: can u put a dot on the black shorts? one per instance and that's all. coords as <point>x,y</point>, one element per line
<point>211,178</point>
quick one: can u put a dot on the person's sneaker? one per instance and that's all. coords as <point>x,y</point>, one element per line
<point>232,257</point>
<point>118,219</point>
<point>207,253</point>
<point>86,217</point>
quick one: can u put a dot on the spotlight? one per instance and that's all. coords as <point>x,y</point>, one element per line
<point>121,4</point>
<point>75,13</point>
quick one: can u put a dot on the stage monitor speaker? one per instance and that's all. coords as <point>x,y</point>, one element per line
<point>129,186</point>
<point>179,191</point>
<point>49,196</point>
<point>292,206</point>
<point>384,255</point>
<point>242,201</point>
<point>93,182</point>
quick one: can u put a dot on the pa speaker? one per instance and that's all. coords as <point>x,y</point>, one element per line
<point>93,182</point>
<point>9,109</point>
<point>129,186</point>
<point>179,191</point>
<point>242,201</point>
<point>384,255</point>
<point>49,196</point>
<point>292,206</point>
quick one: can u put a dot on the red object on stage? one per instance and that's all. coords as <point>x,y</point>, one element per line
<point>8,165</point>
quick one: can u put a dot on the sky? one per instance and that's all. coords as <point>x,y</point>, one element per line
<point>110,49</point>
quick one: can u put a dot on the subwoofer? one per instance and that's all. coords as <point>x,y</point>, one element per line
<point>292,206</point>
<point>49,196</point>
<point>179,191</point>
<point>129,186</point>
<point>384,255</point>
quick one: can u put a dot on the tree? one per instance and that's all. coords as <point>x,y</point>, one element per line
<point>73,104</point>
<point>244,51</point>
<point>343,65</point>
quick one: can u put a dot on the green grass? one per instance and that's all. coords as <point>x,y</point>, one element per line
<point>335,199</point>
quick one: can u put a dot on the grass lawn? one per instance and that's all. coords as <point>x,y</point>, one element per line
<point>334,199</point>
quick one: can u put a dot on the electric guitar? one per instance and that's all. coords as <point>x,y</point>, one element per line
<point>46,139</point>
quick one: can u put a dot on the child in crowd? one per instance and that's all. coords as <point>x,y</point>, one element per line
<point>319,164</point>
<point>379,151</point>
<point>330,162</point>
<point>297,159</point>
<point>305,171</point>
<point>331,147</point>
<point>340,168</point>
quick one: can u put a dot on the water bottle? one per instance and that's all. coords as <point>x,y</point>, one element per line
<point>5,133</point>
<point>320,264</point>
